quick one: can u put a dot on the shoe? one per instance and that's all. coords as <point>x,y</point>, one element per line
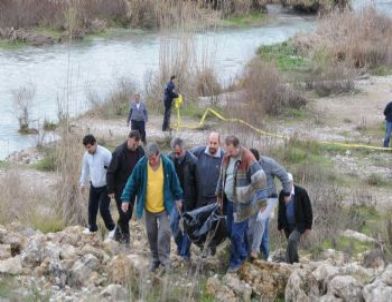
<point>233,269</point>
<point>87,231</point>
<point>111,234</point>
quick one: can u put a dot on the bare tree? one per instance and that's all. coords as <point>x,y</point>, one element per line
<point>23,103</point>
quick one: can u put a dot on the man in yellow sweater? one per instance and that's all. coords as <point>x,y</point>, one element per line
<point>155,183</point>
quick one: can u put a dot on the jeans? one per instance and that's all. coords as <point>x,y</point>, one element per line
<point>99,199</point>
<point>158,233</point>
<point>141,127</point>
<point>388,133</point>
<point>182,240</point>
<point>255,234</point>
<point>238,234</point>
<point>264,246</point>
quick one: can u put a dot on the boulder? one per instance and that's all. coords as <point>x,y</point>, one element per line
<point>114,292</point>
<point>357,236</point>
<point>374,259</point>
<point>125,268</point>
<point>386,276</point>
<point>346,288</point>
<point>377,291</point>
<point>323,274</point>
<point>242,290</point>
<point>302,286</point>
<point>268,280</point>
<point>12,266</point>
<point>82,270</point>
<point>5,251</point>
<point>34,253</point>
<point>220,291</point>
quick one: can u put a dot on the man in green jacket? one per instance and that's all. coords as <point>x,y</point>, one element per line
<point>155,183</point>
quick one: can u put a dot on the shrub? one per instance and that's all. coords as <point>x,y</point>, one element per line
<point>23,103</point>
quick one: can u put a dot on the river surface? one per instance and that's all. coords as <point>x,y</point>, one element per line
<point>66,74</point>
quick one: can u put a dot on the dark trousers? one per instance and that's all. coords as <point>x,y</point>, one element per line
<point>122,231</point>
<point>182,240</point>
<point>293,236</point>
<point>166,116</point>
<point>141,127</point>
<point>99,199</point>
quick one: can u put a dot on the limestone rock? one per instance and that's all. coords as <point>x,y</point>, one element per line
<point>5,251</point>
<point>346,288</point>
<point>82,269</point>
<point>386,276</point>
<point>374,259</point>
<point>268,280</point>
<point>241,289</point>
<point>377,291</point>
<point>12,266</point>
<point>357,236</point>
<point>114,292</point>
<point>220,291</point>
<point>34,253</point>
<point>323,274</point>
<point>301,286</point>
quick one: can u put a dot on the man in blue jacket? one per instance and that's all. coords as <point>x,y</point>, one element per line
<point>169,94</point>
<point>388,124</point>
<point>155,183</point>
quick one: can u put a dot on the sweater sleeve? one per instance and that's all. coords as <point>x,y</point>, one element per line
<point>132,184</point>
<point>281,173</point>
<point>85,171</point>
<point>145,113</point>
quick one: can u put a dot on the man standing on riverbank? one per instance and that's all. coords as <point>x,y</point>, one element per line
<point>169,94</point>
<point>138,117</point>
<point>124,159</point>
<point>155,183</point>
<point>96,161</point>
<point>388,124</point>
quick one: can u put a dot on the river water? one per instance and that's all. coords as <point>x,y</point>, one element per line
<point>65,74</point>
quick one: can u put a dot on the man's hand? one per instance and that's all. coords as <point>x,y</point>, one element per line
<point>125,206</point>
<point>111,195</point>
<point>307,232</point>
<point>179,205</point>
<point>287,199</point>
<point>219,201</point>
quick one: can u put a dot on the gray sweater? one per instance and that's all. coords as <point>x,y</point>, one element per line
<point>272,169</point>
<point>138,114</point>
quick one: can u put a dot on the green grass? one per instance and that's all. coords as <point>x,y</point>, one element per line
<point>50,224</point>
<point>49,126</point>
<point>48,162</point>
<point>47,31</point>
<point>381,71</point>
<point>11,45</point>
<point>285,56</point>
<point>7,284</point>
<point>252,19</point>
<point>4,164</point>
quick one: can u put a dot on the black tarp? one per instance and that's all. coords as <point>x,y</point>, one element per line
<point>205,221</point>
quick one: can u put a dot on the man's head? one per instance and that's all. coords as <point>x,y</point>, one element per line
<point>178,146</point>
<point>290,177</point>
<point>255,153</point>
<point>133,140</point>
<point>232,144</point>
<point>172,78</point>
<point>137,97</point>
<point>90,143</point>
<point>213,142</point>
<point>153,154</point>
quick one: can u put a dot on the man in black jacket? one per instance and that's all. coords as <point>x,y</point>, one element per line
<point>169,94</point>
<point>388,124</point>
<point>124,159</point>
<point>295,218</point>
<point>185,165</point>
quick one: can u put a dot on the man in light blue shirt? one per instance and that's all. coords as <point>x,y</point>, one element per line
<point>96,161</point>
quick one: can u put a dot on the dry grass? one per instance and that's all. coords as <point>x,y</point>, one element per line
<point>357,39</point>
<point>265,92</point>
<point>23,104</point>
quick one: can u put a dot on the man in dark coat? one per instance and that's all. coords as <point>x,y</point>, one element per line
<point>169,94</point>
<point>185,165</point>
<point>295,218</point>
<point>388,124</point>
<point>124,159</point>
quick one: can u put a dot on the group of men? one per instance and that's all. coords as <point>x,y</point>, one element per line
<point>163,187</point>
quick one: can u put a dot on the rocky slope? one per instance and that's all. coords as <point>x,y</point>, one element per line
<point>70,266</point>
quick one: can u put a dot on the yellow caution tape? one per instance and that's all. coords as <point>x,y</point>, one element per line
<point>213,112</point>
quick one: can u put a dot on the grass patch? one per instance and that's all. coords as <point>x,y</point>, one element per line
<point>348,245</point>
<point>49,126</point>
<point>4,164</point>
<point>285,56</point>
<point>252,19</point>
<point>49,162</point>
<point>11,45</point>
<point>48,31</point>
<point>49,224</point>
<point>7,285</point>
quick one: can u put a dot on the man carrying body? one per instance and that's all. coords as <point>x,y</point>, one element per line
<point>155,183</point>
<point>185,165</point>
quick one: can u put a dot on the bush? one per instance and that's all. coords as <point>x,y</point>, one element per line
<point>357,39</point>
<point>23,103</point>
<point>265,91</point>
